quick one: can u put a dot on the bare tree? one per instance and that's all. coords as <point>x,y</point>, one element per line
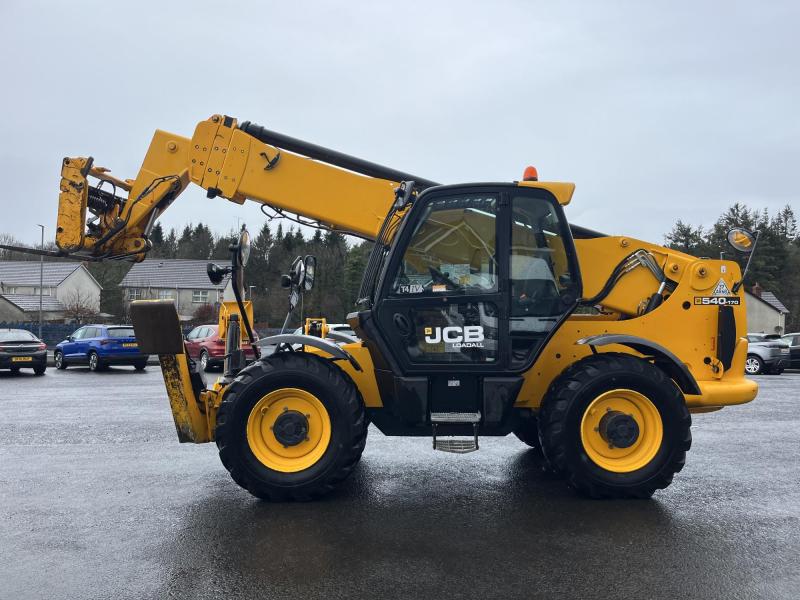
<point>80,307</point>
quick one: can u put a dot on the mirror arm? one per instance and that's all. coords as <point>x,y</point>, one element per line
<point>739,283</point>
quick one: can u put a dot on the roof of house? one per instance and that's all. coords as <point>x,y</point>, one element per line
<point>26,272</point>
<point>772,300</point>
<point>30,302</point>
<point>171,273</point>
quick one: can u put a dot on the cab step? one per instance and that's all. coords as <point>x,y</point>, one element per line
<point>451,444</point>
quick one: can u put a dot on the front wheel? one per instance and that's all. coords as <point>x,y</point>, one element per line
<point>204,362</point>
<point>291,427</point>
<point>58,359</point>
<point>753,365</point>
<point>615,426</point>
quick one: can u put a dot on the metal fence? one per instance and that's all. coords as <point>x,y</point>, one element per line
<point>53,333</point>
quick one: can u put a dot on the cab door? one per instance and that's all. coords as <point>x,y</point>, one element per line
<point>71,347</point>
<point>477,281</point>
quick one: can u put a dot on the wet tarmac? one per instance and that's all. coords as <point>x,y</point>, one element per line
<point>98,500</point>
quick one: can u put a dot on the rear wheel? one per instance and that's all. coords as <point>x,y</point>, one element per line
<point>291,427</point>
<point>14,370</point>
<point>39,370</point>
<point>140,366</point>
<point>753,365</point>
<point>58,359</point>
<point>615,426</point>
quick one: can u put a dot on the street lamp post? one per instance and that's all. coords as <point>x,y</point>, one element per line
<point>41,281</point>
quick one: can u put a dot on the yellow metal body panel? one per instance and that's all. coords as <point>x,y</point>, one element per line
<point>190,423</point>
<point>560,189</point>
<point>688,330</point>
<point>231,307</point>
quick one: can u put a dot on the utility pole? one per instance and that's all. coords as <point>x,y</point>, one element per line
<point>41,281</point>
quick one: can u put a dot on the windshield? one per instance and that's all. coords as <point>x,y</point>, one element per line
<point>120,332</point>
<point>755,338</point>
<point>452,249</point>
<point>17,335</point>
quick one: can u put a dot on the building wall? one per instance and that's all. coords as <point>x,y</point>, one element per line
<point>184,298</point>
<point>79,284</point>
<point>10,313</point>
<point>27,289</point>
<point>763,318</point>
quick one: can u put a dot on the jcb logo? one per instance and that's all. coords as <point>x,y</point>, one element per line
<point>469,336</point>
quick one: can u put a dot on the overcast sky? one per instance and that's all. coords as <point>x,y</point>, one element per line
<point>657,111</point>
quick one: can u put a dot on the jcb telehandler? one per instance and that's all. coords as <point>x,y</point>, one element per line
<point>481,313</point>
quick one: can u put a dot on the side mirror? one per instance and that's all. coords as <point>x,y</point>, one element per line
<point>286,281</point>
<point>742,240</point>
<point>70,338</point>
<point>297,271</point>
<point>243,248</point>
<point>310,265</point>
<point>216,273</point>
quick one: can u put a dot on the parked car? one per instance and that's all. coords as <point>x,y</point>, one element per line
<point>100,346</point>
<point>205,346</point>
<point>20,349</point>
<point>793,341</point>
<point>765,354</point>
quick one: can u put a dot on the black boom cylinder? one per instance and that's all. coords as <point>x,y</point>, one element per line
<point>332,157</point>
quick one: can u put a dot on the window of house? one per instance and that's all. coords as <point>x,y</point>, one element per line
<point>135,294</point>
<point>199,296</point>
<point>45,291</point>
<point>11,290</point>
<point>166,294</point>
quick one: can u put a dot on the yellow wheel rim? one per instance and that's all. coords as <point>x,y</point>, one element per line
<point>261,433</point>
<point>640,452</point>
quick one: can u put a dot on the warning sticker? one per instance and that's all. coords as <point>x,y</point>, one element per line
<point>722,289</point>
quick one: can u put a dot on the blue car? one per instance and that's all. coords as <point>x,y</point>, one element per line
<point>100,346</point>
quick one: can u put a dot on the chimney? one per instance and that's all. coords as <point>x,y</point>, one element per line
<point>756,290</point>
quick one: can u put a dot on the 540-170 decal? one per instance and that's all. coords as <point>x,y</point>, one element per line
<point>718,300</point>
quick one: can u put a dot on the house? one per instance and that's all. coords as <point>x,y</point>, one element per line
<point>765,313</point>
<point>68,291</point>
<point>183,281</point>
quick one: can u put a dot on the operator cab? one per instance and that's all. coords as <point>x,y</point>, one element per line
<point>477,279</point>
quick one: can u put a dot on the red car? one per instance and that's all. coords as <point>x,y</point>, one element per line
<point>206,347</point>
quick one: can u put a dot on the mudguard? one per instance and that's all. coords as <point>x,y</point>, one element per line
<point>309,340</point>
<point>663,358</point>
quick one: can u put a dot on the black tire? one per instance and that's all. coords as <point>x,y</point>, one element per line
<point>753,365</point>
<point>205,365</point>
<point>334,389</point>
<point>39,370</point>
<point>527,431</point>
<point>140,366</point>
<point>95,364</point>
<point>14,370</point>
<point>58,358</point>
<point>568,399</point>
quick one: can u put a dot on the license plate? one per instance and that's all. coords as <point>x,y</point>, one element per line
<point>133,345</point>
<point>784,351</point>
<point>21,359</point>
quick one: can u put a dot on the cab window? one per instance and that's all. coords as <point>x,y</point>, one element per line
<point>452,249</point>
<point>541,282</point>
